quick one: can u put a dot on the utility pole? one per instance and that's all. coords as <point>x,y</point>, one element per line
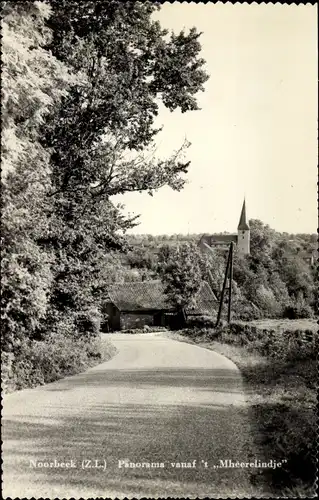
<point>231,254</point>
<point>228,275</point>
<point>224,286</point>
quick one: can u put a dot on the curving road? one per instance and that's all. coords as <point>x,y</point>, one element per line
<point>157,401</point>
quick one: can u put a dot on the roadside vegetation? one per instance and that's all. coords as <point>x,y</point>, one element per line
<point>82,83</point>
<point>278,361</point>
<point>42,362</point>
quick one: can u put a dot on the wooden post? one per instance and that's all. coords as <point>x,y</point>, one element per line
<point>223,290</point>
<point>231,251</point>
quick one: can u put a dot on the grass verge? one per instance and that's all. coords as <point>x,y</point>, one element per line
<point>282,395</point>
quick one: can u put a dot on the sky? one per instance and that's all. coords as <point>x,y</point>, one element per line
<point>256,133</point>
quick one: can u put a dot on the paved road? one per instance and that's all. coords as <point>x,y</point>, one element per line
<point>157,401</point>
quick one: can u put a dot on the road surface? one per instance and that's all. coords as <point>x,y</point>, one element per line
<point>158,403</point>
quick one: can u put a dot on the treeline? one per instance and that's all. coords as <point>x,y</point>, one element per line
<point>297,242</point>
<point>82,82</point>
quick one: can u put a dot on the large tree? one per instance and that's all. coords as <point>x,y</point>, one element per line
<point>33,81</point>
<point>182,269</point>
<point>131,66</point>
<point>102,135</point>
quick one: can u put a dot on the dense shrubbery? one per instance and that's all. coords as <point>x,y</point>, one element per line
<point>288,344</point>
<point>40,362</point>
<point>299,309</point>
<point>33,82</point>
<point>145,329</point>
<point>275,278</point>
<point>200,322</point>
<point>73,137</point>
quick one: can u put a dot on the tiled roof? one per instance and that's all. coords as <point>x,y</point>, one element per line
<point>139,296</point>
<point>223,238</point>
<point>205,302</point>
<point>150,295</point>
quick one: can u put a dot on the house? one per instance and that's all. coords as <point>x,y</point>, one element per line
<point>309,257</point>
<point>136,304</point>
<point>241,239</point>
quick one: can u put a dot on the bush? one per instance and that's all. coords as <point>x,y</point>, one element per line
<point>26,279</point>
<point>283,345</point>
<point>200,322</point>
<point>145,329</point>
<point>88,322</point>
<point>267,302</point>
<point>245,310</point>
<point>72,324</point>
<point>298,311</point>
<point>288,431</point>
<point>41,362</point>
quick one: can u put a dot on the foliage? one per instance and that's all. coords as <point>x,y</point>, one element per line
<point>41,362</point>
<point>245,310</point>
<point>267,283</point>
<point>102,136</point>
<point>130,66</point>
<point>266,301</point>
<point>182,271</point>
<point>282,344</point>
<point>82,83</point>
<point>145,329</point>
<point>215,262</point>
<point>200,322</point>
<point>298,309</point>
<point>141,258</point>
<point>131,61</point>
<point>33,82</point>
<point>262,238</point>
<point>297,276</point>
<point>274,277</point>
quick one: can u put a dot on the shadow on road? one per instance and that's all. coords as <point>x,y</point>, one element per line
<point>209,379</point>
<point>165,416</point>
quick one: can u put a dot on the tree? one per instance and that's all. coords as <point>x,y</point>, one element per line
<point>33,81</point>
<point>216,263</point>
<point>262,239</point>
<point>182,273</point>
<point>130,67</point>
<point>101,137</point>
<point>297,276</point>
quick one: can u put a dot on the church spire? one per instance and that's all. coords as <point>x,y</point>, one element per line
<point>242,221</point>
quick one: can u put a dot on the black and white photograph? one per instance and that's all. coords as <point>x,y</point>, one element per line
<point>159,249</point>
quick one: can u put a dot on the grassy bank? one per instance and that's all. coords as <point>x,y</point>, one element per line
<point>40,362</point>
<point>279,369</point>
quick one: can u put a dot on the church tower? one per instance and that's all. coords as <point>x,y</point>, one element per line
<point>243,239</point>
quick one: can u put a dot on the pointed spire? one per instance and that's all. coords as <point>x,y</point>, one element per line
<point>242,221</point>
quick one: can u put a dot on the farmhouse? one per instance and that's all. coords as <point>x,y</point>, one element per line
<point>136,304</point>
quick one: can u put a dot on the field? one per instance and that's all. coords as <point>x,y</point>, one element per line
<point>285,324</point>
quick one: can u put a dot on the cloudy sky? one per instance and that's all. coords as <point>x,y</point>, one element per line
<point>256,132</point>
